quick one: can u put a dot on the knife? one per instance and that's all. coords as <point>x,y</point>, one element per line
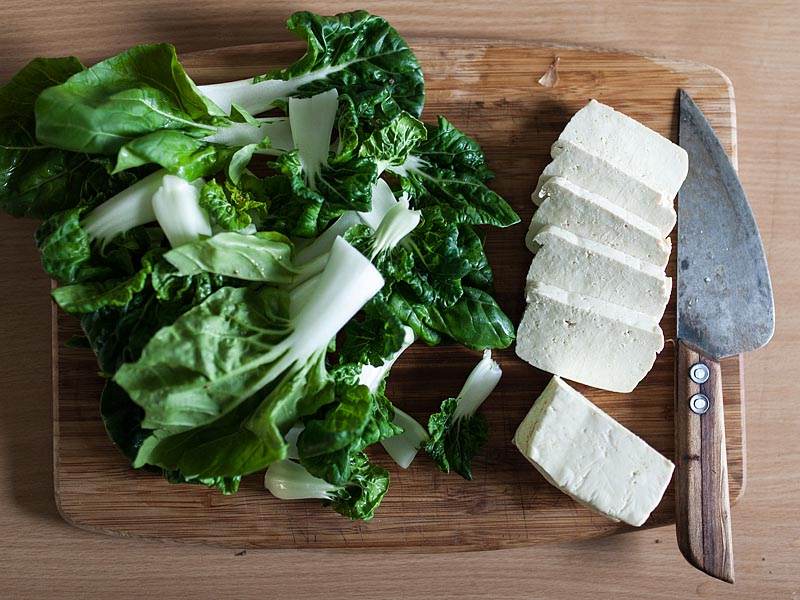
<point>725,307</point>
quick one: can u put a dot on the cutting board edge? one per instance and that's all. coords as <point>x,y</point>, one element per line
<point>428,548</point>
<point>412,40</point>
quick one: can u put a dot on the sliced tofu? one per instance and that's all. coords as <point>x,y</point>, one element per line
<point>585,267</point>
<point>586,339</point>
<point>628,145</point>
<point>590,216</point>
<point>591,457</point>
<point>604,179</point>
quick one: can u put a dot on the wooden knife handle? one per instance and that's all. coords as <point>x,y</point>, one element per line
<point>701,475</point>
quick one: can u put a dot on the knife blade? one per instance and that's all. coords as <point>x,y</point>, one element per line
<point>724,308</point>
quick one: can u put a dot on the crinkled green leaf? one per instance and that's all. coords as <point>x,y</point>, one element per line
<point>394,139</point>
<point>80,298</point>
<point>325,444</point>
<point>373,339</point>
<point>357,52</point>
<point>70,256</point>
<point>170,284</point>
<point>449,169</point>
<point>453,443</point>
<point>364,491</point>
<point>339,188</point>
<point>247,439</point>
<point>225,485</point>
<point>230,205</point>
<point>355,420</point>
<point>37,180</point>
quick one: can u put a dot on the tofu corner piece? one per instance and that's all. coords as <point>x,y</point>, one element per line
<point>587,340</point>
<point>591,457</point>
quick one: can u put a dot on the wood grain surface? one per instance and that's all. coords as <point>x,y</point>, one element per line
<point>755,44</point>
<point>702,502</point>
<point>491,91</point>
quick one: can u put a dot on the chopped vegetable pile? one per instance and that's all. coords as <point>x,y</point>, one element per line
<point>248,259</point>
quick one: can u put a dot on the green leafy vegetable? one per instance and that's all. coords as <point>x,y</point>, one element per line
<point>37,179</point>
<point>449,169</point>
<point>357,498</point>
<point>350,51</point>
<point>253,354</point>
<point>246,282</point>
<point>458,431</point>
<point>233,206</point>
<point>263,256</point>
<point>358,419</point>
<point>142,90</point>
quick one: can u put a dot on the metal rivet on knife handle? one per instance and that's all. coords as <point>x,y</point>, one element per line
<point>699,403</point>
<point>699,373</point>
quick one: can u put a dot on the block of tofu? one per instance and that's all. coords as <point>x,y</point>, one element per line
<point>586,339</point>
<point>590,216</point>
<point>591,457</point>
<point>604,179</point>
<point>628,145</point>
<point>585,267</point>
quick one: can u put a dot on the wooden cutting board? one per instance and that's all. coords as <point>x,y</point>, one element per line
<point>491,91</point>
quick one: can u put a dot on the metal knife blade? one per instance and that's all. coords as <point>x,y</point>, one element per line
<point>724,307</point>
<point>724,299</point>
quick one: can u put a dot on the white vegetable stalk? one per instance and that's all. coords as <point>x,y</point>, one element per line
<point>371,376</point>
<point>480,383</point>
<point>243,134</point>
<point>288,480</point>
<point>412,164</point>
<point>383,201</point>
<point>128,209</point>
<point>390,219</point>
<point>338,293</point>
<point>321,246</point>
<point>312,120</point>
<point>176,205</point>
<point>403,448</point>
<point>259,97</point>
<point>397,224</point>
<point>291,441</point>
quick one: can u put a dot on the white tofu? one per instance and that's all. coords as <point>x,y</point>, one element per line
<point>591,457</point>
<point>628,145</point>
<point>586,339</point>
<point>585,267</point>
<point>604,179</point>
<point>588,215</point>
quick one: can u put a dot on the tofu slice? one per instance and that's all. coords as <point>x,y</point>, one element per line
<point>585,267</point>
<point>628,145</point>
<point>586,339</point>
<point>591,457</point>
<point>590,216</point>
<point>604,179</point>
